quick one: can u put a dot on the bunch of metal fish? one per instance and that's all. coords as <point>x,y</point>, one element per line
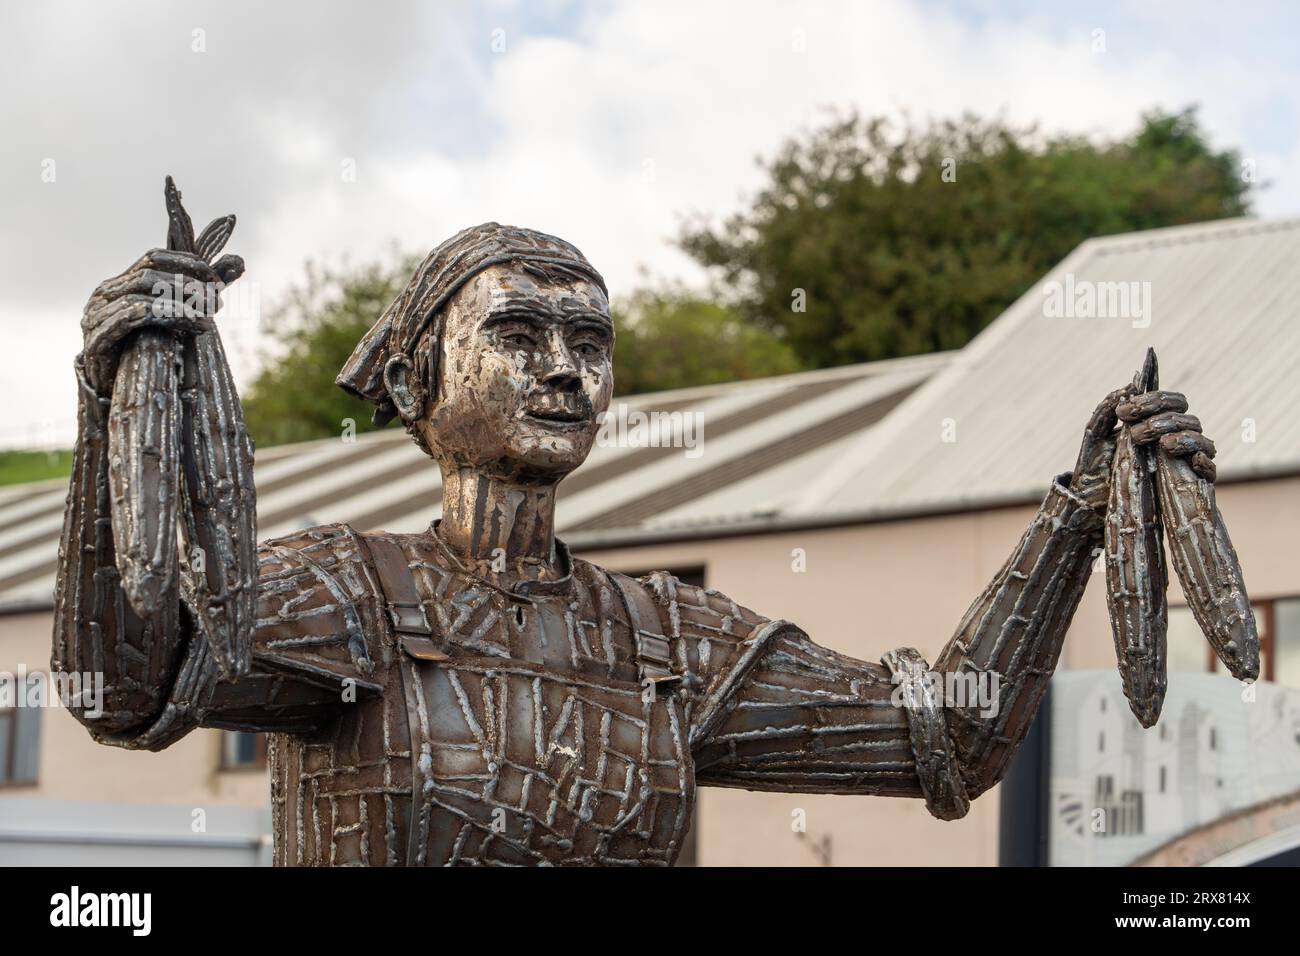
<point>1152,491</point>
<point>177,441</point>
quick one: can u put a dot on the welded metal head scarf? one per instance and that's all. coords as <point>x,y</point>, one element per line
<point>419,306</point>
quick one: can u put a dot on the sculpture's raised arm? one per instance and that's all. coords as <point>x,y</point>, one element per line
<point>97,629</point>
<point>779,712</point>
<point>174,641</point>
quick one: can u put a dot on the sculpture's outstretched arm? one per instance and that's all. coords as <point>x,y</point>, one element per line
<point>778,712</point>
<point>787,714</point>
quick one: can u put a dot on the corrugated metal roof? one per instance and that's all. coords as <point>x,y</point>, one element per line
<point>1224,319</point>
<point>762,442</point>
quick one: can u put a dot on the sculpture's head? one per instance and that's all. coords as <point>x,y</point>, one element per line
<point>498,355</point>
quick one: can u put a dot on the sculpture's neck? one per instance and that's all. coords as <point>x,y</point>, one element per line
<point>503,530</point>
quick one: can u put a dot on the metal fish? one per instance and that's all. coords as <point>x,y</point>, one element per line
<point>1136,578</point>
<point>217,466</point>
<point>220,511</point>
<point>167,389</point>
<point>143,439</point>
<point>1207,565</point>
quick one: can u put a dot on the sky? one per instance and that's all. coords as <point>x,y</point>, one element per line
<point>339,132</point>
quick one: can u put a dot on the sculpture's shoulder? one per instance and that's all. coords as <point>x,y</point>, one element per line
<point>319,608</point>
<point>706,630</point>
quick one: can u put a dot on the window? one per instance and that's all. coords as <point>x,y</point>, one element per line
<point>1278,621</point>
<point>20,744</point>
<point>243,751</point>
<point>1284,625</point>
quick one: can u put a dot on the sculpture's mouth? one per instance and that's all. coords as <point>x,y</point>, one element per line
<point>555,419</point>
<point>560,411</point>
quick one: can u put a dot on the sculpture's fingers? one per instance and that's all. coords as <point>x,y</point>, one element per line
<point>172,261</point>
<point>110,317</point>
<point>1098,435</point>
<point>147,281</point>
<point>229,268</point>
<point>1091,473</point>
<point>1103,419</point>
<point>123,316</point>
<point>1204,466</point>
<point>158,261</point>
<point>159,272</point>
<point>1166,423</point>
<point>1150,403</point>
<point>1185,444</point>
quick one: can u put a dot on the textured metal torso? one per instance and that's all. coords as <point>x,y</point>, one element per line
<point>508,731</point>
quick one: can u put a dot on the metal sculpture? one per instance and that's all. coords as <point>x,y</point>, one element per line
<point>474,693</point>
<point>1164,473</point>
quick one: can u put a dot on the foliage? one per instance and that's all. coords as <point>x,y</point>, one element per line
<point>294,397</point>
<point>670,338</point>
<point>911,240</point>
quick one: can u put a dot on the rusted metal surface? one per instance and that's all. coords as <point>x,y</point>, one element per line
<point>474,694</point>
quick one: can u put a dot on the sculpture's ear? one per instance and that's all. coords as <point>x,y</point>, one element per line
<point>406,393</point>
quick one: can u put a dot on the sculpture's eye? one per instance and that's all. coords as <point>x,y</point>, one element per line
<point>587,349</point>
<point>519,339</point>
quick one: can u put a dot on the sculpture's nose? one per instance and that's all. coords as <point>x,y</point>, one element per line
<point>561,371</point>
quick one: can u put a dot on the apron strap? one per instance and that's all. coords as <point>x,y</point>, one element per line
<point>653,652</point>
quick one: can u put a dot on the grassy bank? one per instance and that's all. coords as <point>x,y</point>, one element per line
<point>17,467</point>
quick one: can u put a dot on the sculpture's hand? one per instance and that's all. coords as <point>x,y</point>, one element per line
<point>1159,416</point>
<point>1091,479</point>
<point>146,296</point>
<point>1153,416</point>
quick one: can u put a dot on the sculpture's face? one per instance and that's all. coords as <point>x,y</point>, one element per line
<point>526,366</point>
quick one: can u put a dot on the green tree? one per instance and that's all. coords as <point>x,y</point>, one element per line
<point>870,241</point>
<point>671,338</point>
<point>315,329</point>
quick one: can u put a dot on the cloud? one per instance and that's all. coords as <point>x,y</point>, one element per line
<point>603,124</point>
